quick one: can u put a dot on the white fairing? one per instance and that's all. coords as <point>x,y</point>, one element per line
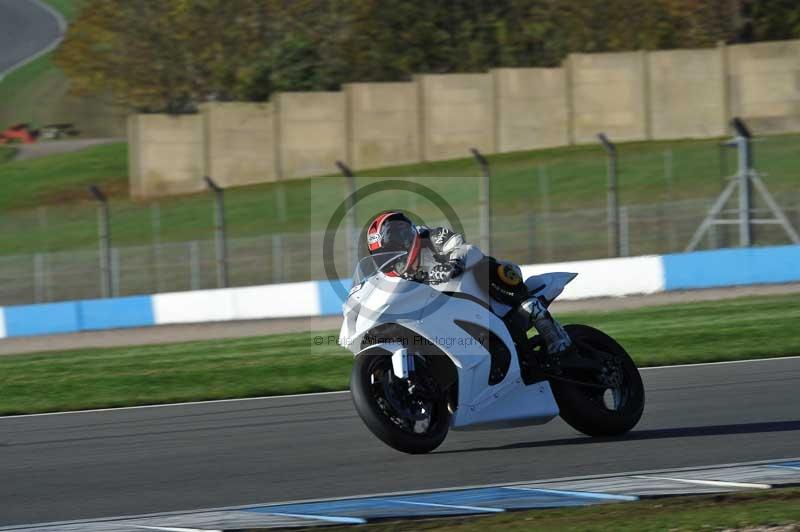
<point>431,315</point>
<point>549,285</point>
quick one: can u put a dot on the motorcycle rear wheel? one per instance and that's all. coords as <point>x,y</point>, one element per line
<point>597,412</point>
<point>391,413</point>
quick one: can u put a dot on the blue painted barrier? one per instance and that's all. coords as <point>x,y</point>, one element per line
<point>49,318</point>
<point>731,267</point>
<point>330,299</point>
<point>703,269</point>
<point>115,313</point>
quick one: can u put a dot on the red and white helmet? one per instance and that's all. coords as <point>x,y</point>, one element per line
<point>393,232</point>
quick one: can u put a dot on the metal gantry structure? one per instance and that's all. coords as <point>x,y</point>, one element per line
<point>746,182</point>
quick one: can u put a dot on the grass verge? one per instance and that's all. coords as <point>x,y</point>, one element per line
<point>291,363</point>
<point>711,512</point>
<point>6,154</point>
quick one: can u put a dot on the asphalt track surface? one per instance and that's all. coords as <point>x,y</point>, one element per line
<point>26,28</point>
<point>191,456</point>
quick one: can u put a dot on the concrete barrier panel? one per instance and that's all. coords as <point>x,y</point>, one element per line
<point>732,267</point>
<point>34,320</point>
<point>458,113</point>
<point>608,93</point>
<point>312,132</point>
<point>115,313</point>
<point>240,143</point>
<point>764,87</point>
<point>686,88</point>
<point>384,124</point>
<point>276,301</point>
<point>194,307</point>
<point>607,277</point>
<point>531,108</point>
<point>166,154</point>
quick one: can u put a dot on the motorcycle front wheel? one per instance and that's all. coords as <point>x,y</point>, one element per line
<point>409,415</point>
<point>609,411</point>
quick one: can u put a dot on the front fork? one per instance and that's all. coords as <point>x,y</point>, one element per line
<point>402,363</point>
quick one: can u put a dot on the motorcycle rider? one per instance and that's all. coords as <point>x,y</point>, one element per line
<point>437,255</point>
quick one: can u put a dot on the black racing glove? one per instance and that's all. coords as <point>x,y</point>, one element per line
<point>441,273</point>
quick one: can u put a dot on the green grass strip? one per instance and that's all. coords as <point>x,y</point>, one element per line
<point>711,512</point>
<point>735,329</point>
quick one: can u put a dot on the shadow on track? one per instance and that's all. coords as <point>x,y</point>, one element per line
<point>655,434</point>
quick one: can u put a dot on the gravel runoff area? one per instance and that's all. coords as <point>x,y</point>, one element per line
<point>164,334</point>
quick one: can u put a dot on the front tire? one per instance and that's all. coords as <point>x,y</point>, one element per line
<point>411,423</point>
<point>597,412</point>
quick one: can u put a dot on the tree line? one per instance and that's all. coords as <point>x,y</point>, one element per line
<point>170,55</point>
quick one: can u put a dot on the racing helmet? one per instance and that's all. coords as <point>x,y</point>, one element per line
<point>393,241</point>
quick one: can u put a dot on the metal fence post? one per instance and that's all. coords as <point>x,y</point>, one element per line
<point>219,233</point>
<point>280,202</point>
<point>624,232</point>
<point>39,281</point>
<point>194,265</point>
<point>104,236</point>
<point>544,198</point>
<point>352,219</point>
<point>155,245</point>
<point>612,197</point>
<point>277,259</point>
<point>115,271</point>
<point>745,185</point>
<point>484,203</point>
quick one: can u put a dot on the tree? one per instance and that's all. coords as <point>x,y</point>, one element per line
<point>164,54</point>
<point>173,54</point>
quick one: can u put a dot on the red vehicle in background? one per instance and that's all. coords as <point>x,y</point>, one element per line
<point>19,134</point>
<point>25,134</point>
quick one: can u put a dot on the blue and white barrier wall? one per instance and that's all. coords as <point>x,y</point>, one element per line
<point>597,278</point>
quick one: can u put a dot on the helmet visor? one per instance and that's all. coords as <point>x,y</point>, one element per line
<point>397,235</point>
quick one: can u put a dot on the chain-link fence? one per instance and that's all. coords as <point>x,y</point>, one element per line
<point>287,257</point>
<point>542,211</point>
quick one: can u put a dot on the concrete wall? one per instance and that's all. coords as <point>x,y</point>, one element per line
<point>686,93</point>
<point>531,108</point>
<point>240,143</point>
<point>384,126</point>
<point>458,114</point>
<point>608,93</point>
<point>764,85</point>
<point>166,154</point>
<point>312,132</point>
<point>629,96</point>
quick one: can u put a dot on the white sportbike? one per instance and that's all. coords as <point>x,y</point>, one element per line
<point>429,358</point>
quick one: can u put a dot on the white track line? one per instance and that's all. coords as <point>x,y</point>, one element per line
<point>715,483</point>
<point>315,394</point>
<point>749,360</point>
<point>172,529</point>
<point>581,494</point>
<point>455,506</point>
<point>326,518</point>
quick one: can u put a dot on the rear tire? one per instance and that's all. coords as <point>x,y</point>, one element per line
<point>585,408</point>
<point>378,415</point>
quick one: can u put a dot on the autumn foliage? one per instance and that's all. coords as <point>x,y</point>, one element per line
<point>170,55</point>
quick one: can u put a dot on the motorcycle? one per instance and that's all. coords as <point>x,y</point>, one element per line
<point>434,357</point>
